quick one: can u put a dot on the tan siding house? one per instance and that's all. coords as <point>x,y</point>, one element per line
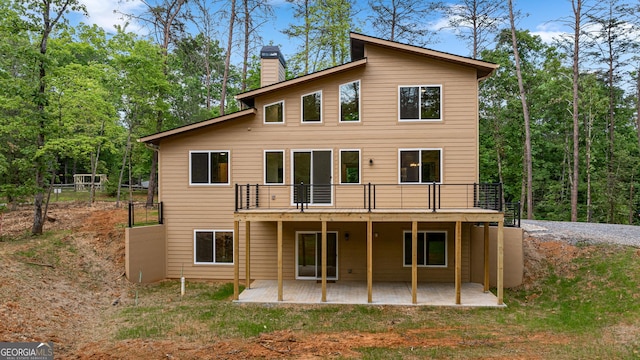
<point>371,165</point>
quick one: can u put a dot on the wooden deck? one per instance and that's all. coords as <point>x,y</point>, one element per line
<point>375,215</point>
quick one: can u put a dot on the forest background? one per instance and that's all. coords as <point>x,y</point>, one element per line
<point>559,120</point>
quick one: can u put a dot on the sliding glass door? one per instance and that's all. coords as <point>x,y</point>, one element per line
<point>313,168</point>
<point>309,255</point>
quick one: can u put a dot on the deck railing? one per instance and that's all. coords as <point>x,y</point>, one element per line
<point>141,214</point>
<point>429,197</point>
<point>432,196</point>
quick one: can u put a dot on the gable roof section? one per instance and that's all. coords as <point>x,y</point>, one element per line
<point>155,138</point>
<point>358,41</point>
<point>248,96</point>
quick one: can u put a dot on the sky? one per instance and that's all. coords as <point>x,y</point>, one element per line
<point>543,19</point>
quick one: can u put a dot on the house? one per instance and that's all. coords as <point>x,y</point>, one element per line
<point>364,172</point>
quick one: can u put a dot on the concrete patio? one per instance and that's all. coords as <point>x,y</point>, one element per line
<point>355,292</point>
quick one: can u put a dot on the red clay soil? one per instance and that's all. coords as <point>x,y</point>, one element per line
<point>66,299</point>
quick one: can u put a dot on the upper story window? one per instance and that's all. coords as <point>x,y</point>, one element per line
<point>350,101</point>
<point>421,166</point>
<point>312,107</point>
<point>349,166</point>
<point>209,167</point>
<point>274,167</point>
<point>274,113</point>
<point>420,102</point>
<point>432,249</point>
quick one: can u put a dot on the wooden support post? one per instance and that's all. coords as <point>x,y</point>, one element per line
<point>236,260</point>
<point>247,245</point>
<point>324,261</point>
<point>458,261</point>
<point>369,261</point>
<point>486,257</point>
<point>280,260</point>
<point>500,268</point>
<point>414,262</point>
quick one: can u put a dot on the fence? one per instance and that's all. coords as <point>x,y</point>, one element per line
<point>141,214</point>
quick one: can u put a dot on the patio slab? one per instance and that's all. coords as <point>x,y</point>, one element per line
<point>355,292</point>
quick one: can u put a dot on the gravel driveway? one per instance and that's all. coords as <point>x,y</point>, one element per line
<point>582,232</point>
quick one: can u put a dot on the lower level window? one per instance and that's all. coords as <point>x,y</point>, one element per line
<point>213,246</point>
<point>432,248</point>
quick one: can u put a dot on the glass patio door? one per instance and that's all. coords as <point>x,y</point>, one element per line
<point>312,167</point>
<point>309,255</point>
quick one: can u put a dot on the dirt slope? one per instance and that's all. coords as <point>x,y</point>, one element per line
<point>65,290</point>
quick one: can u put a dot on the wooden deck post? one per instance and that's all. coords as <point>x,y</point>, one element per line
<point>324,261</point>
<point>458,261</point>
<point>500,267</point>
<point>486,257</point>
<point>414,262</point>
<point>369,261</point>
<point>247,244</point>
<point>280,260</point>
<point>236,260</point>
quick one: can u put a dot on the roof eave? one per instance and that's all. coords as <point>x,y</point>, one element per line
<point>155,138</point>
<point>299,80</point>
<point>484,68</point>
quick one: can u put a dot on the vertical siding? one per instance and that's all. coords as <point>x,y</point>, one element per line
<point>379,135</point>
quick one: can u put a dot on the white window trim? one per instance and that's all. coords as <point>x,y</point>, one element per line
<point>209,183</point>
<point>359,103</point>
<point>264,113</point>
<point>359,166</point>
<point>214,248</point>
<point>302,108</point>
<point>419,105</point>
<point>446,248</point>
<point>293,151</point>
<point>298,277</point>
<point>264,159</point>
<point>419,182</point>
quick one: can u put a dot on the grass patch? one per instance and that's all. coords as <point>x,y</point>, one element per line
<point>601,290</point>
<point>46,249</point>
<point>597,294</point>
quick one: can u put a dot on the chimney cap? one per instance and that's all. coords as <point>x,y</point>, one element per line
<point>272,52</point>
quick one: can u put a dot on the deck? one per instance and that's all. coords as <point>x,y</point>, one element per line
<point>375,215</point>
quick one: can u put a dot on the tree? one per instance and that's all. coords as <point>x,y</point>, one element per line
<point>610,45</point>
<point>301,60</point>
<point>44,17</point>
<point>475,21</point>
<point>139,82</point>
<point>525,114</point>
<point>227,58</point>
<point>325,30</point>
<point>254,14</point>
<point>191,100</point>
<point>402,20</point>
<point>166,22</point>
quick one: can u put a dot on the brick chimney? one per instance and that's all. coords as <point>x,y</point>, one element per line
<point>272,65</point>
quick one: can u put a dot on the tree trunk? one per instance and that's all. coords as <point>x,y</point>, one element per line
<point>227,59</point>
<point>124,163</point>
<point>525,113</point>
<point>245,54</point>
<point>638,106</point>
<point>588,165</point>
<point>38,217</point>
<point>577,11</point>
